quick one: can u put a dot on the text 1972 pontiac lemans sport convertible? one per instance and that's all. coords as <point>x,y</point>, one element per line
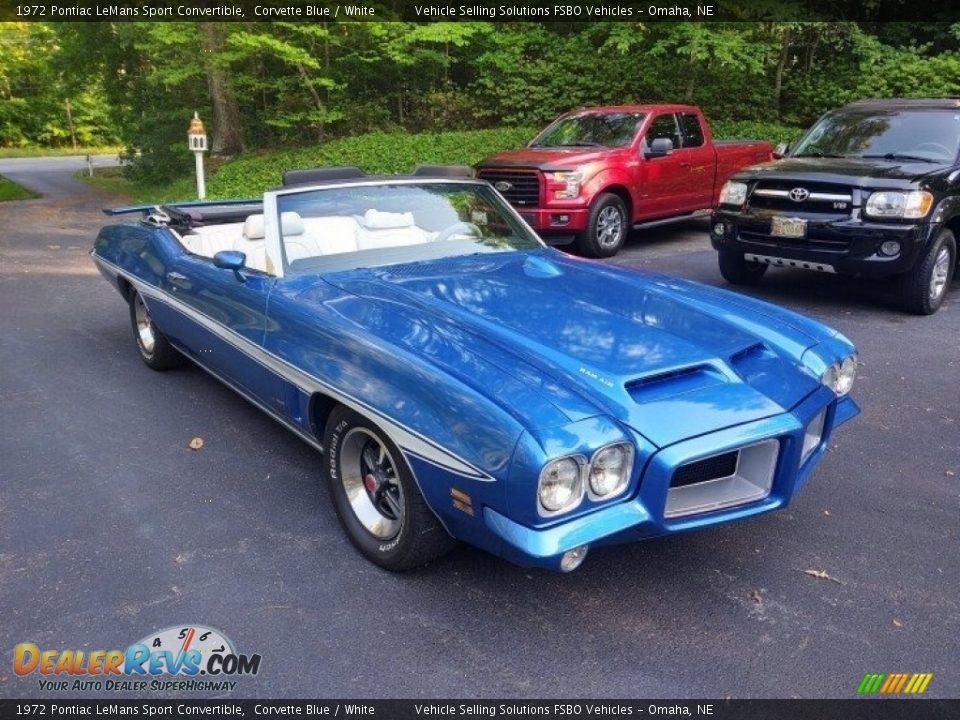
<point>465,381</point>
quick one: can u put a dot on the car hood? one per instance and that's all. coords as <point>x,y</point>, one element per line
<point>847,171</point>
<point>669,358</point>
<point>548,158</point>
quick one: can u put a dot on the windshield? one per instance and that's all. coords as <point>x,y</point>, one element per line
<point>613,129</point>
<point>374,225</point>
<point>921,135</point>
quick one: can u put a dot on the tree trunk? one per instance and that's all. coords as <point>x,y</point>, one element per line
<point>781,66</point>
<point>227,131</point>
<point>73,132</point>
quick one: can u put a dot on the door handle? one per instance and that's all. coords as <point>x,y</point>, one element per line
<point>175,278</point>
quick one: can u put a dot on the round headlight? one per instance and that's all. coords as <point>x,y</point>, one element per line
<point>610,469</point>
<point>839,377</point>
<point>561,486</point>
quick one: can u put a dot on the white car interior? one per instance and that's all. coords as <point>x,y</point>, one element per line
<point>308,237</point>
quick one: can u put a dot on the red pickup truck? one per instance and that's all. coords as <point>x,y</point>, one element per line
<point>596,172</point>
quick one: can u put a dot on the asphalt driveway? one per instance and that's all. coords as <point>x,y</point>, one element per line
<point>112,527</point>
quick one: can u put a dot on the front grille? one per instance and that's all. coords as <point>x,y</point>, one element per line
<point>822,198</point>
<point>519,187</point>
<point>711,468</point>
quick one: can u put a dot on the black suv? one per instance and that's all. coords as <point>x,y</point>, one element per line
<point>872,189</point>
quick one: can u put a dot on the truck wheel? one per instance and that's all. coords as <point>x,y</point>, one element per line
<point>607,227</point>
<point>155,350</point>
<point>923,289</point>
<point>376,496</point>
<point>738,271</point>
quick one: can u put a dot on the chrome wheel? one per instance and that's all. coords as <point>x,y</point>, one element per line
<point>609,227</point>
<point>369,476</point>
<point>940,274</point>
<point>145,334</point>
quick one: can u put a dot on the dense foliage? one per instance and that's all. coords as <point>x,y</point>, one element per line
<point>385,153</point>
<point>267,85</point>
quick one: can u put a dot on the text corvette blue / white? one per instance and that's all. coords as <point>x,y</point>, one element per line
<point>464,381</point>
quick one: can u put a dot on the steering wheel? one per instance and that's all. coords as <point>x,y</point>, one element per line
<point>936,146</point>
<point>459,228</point>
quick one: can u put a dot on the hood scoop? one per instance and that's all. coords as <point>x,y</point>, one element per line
<point>675,382</point>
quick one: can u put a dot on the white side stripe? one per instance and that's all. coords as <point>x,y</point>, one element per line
<point>404,437</point>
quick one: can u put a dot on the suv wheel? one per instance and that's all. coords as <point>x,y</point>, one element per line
<point>923,289</point>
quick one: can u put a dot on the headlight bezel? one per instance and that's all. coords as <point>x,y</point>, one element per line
<point>726,193</point>
<point>586,490</point>
<point>623,483</point>
<point>841,375</point>
<point>577,498</point>
<point>909,205</point>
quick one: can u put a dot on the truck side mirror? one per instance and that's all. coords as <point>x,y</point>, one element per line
<point>660,147</point>
<point>780,150</point>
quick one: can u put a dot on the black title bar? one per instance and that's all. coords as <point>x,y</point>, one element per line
<point>645,11</point>
<point>861,709</point>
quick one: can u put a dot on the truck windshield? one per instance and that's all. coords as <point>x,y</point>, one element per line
<point>613,129</point>
<point>899,135</point>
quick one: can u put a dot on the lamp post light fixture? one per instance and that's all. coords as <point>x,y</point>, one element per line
<point>197,139</point>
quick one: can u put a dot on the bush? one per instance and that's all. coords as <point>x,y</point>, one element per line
<point>380,153</point>
<point>389,153</point>
<point>748,129</point>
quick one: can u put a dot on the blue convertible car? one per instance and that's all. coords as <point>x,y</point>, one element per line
<point>464,381</point>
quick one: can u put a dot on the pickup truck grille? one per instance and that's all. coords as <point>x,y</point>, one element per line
<point>520,187</point>
<point>801,197</point>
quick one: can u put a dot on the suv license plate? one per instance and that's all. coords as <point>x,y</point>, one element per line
<point>788,227</point>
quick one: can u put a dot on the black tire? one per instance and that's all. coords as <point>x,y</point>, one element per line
<point>923,289</point>
<point>736,270</point>
<point>607,227</point>
<point>155,350</point>
<point>419,537</point>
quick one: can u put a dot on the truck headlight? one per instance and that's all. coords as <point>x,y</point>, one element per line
<point>892,204</point>
<point>733,193</point>
<point>610,470</point>
<point>839,377</point>
<point>561,485</point>
<point>571,183</point>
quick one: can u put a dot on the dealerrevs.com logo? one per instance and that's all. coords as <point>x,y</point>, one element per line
<point>202,657</point>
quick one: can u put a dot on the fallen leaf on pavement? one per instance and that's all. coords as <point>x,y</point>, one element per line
<point>756,596</point>
<point>897,623</point>
<point>822,575</point>
<point>196,443</point>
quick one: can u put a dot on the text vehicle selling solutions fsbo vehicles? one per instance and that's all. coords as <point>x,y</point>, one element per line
<point>463,380</point>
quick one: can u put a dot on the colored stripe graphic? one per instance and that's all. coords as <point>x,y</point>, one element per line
<point>894,683</point>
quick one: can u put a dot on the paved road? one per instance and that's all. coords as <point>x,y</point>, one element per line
<point>110,527</point>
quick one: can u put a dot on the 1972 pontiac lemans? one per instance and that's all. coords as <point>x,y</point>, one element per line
<point>464,381</point>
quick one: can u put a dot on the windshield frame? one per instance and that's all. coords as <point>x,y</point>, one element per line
<point>272,199</point>
<point>641,118</point>
<point>797,151</point>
